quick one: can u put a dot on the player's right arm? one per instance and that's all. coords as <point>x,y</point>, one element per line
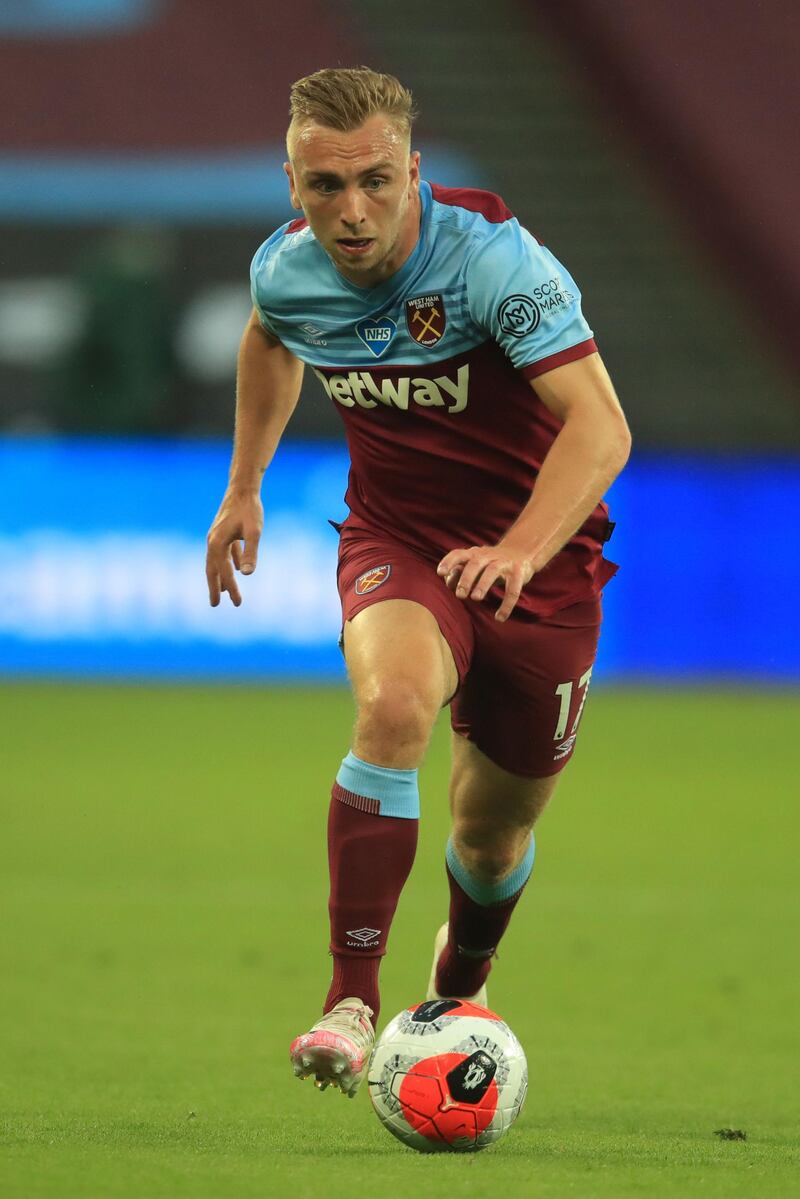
<point>268,379</point>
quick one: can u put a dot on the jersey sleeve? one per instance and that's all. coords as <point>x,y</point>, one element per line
<point>261,274</point>
<point>523,298</point>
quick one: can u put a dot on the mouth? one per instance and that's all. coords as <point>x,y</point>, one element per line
<point>355,245</point>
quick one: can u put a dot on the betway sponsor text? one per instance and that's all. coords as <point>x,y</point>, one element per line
<point>359,388</point>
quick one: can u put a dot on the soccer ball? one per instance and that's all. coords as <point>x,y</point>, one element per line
<point>447,1076</point>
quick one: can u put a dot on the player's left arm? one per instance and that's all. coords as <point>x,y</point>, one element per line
<point>588,453</point>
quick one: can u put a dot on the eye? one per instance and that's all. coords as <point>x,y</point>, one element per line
<point>375,183</point>
<point>325,187</point>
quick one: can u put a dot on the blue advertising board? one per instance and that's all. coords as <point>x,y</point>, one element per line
<point>102,547</point>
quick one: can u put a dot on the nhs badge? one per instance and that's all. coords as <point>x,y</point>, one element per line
<point>376,335</point>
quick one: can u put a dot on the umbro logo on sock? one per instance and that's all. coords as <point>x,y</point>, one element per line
<point>478,954</point>
<point>364,937</point>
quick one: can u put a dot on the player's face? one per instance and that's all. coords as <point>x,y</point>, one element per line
<point>359,191</point>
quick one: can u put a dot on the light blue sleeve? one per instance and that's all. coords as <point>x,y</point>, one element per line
<point>261,272</point>
<point>522,296</point>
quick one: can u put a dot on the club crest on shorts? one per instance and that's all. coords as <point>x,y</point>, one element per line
<point>426,319</point>
<point>372,578</point>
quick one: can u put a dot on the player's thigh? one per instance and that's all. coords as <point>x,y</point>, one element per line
<point>396,644</point>
<point>407,639</point>
<point>489,804</point>
<point>522,701</point>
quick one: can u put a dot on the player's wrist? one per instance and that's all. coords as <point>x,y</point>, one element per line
<point>246,484</point>
<point>521,553</point>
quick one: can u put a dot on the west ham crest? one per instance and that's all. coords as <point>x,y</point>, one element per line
<point>372,579</point>
<point>426,319</point>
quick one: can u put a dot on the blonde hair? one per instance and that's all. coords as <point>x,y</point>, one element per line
<point>345,97</point>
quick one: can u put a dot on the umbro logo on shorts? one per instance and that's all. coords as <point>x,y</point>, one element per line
<point>372,578</point>
<point>564,748</point>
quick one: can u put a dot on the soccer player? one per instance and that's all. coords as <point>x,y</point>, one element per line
<point>483,431</point>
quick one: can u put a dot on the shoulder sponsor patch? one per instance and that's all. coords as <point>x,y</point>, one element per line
<point>372,579</point>
<point>552,296</point>
<point>426,319</point>
<point>519,315</point>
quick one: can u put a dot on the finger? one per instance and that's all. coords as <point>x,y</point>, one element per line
<point>250,556</point>
<point>236,554</point>
<point>487,580</point>
<point>513,590</point>
<point>469,576</point>
<point>212,578</point>
<point>228,583</point>
<point>233,592</point>
<point>451,578</point>
<point>452,561</point>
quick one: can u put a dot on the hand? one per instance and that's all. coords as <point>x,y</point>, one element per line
<point>471,572</point>
<point>240,518</point>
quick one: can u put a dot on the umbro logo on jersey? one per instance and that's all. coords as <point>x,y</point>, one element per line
<point>360,389</point>
<point>426,319</point>
<point>370,581</point>
<point>313,335</point>
<point>376,335</point>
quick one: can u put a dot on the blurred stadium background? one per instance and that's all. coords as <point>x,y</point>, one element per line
<point>140,168</point>
<point>650,146</point>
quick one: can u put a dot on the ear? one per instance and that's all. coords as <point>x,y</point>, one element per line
<point>287,166</point>
<point>413,169</point>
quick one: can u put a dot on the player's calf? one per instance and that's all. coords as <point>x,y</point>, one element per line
<point>479,915</point>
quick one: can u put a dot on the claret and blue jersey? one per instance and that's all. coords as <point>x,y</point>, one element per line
<point>474,274</point>
<point>430,372</point>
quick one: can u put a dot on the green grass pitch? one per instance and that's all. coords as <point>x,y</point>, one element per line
<point>163,936</point>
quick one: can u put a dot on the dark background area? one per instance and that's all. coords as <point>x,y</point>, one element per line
<point>648,145</point>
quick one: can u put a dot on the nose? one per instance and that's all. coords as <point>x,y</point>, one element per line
<point>351,212</point>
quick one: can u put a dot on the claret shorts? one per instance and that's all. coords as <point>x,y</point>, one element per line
<point>522,683</point>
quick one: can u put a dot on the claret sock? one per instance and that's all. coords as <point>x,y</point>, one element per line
<point>479,915</point>
<point>372,839</point>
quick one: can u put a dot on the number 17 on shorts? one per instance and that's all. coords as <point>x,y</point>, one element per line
<point>565,691</point>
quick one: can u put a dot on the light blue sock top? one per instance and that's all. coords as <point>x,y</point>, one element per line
<point>488,893</point>
<point>397,791</point>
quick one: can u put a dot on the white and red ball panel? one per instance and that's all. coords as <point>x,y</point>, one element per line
<point>447,1075</point>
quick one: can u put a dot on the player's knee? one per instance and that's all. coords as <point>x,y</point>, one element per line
<point>396,714</point>
<point>484,854</point>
